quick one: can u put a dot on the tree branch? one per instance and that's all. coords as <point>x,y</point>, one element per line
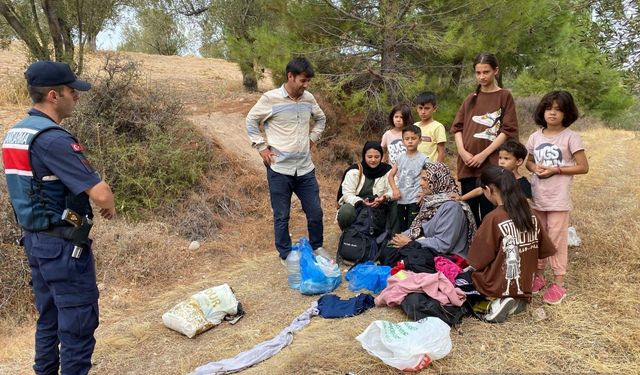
<point>353,16</point>
<point>37,49</point>
<point>36,23</point>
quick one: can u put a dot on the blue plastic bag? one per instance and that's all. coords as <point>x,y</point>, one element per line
<point>318,274</point>
<point>368,276</point>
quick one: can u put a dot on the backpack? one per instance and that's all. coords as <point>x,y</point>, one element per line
<point>362,240</point>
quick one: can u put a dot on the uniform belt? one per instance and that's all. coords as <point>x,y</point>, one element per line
<point>64,232</point>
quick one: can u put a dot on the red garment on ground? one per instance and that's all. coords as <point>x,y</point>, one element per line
<point>460,261</point>
<point>398,267</point>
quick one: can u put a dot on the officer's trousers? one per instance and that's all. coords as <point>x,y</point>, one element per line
<point>66,297</point>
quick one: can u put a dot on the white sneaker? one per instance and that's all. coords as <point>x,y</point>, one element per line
<point>500,309</point>
<point>488,119</point>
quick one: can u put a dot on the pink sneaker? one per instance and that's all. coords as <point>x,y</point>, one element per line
<point>538,284</point>
<point>554,295</point>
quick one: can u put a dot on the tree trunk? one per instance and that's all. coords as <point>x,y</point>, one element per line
<point>60,33</point>
<point>91,44</point>
<point>36,21</point>
<point>67,41</point>
<point>36,48</point>
<point>249,79</point>
<point>81,35</point>
<point>456,72</point>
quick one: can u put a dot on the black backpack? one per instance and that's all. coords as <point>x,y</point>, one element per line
<point>362,240</point>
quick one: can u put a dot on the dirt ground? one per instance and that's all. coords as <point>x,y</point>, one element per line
<point>596,329</point>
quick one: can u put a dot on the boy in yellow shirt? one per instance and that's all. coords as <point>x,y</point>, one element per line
<point>434,136</point>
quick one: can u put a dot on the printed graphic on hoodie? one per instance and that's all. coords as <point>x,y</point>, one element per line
<point>514,243</point>
<point>492,121</point>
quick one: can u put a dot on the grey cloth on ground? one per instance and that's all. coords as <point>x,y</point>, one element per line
<point>446,231</point>
<point>260,352</point>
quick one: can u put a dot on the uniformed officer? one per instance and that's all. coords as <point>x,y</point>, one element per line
<point>46,173</point>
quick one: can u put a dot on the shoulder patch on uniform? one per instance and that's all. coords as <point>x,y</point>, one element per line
<point>77,147</point>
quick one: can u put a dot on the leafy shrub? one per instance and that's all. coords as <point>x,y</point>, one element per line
<point>137,137</point>
<point>628,120</point>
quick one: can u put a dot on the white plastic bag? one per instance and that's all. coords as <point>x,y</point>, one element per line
<point>573,240</point>
<point>201,311</point>
<point>407,346</point>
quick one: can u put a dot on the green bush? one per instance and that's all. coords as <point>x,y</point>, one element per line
<point>597,87</point>
<point>628,120</point>
<point>138,139</point>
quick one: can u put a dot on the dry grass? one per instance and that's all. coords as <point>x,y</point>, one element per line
<point>144,269</point>
<point>12,66</point>
<point>205,84</point>
<point>14,91</point>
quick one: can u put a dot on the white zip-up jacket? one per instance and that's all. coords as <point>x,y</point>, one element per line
<point>351,187</point>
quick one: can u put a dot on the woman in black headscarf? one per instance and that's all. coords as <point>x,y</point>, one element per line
<point>365,183</point>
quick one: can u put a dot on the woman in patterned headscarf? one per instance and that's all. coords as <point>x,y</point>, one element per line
<point>443,225</point>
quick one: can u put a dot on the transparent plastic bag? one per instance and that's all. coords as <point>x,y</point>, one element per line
<point>328,267</point>
<point>573,240</point>
<point>407,346</point>
<point>318,274</point>
<point>368,276</point>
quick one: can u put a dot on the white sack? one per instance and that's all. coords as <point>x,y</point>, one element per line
<point>201,311</point>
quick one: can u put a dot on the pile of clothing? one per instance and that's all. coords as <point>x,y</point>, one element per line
<point>425,284</point>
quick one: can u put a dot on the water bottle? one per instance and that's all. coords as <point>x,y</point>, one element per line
<point>293,268</point>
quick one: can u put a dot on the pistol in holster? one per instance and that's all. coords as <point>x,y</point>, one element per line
<point>79,235</point>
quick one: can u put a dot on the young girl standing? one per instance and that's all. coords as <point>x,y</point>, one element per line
<point>507,247</point>
<point>399,117</point>
<point>555,155</point>
<point>485,120</point>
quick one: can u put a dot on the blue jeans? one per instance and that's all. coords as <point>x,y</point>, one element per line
<point>66,297</point>
<point>306,188</point>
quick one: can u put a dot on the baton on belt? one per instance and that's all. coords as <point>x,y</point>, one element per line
<point>80,234</point>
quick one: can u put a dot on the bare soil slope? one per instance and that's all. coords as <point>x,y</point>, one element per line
<point>595,330</point>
